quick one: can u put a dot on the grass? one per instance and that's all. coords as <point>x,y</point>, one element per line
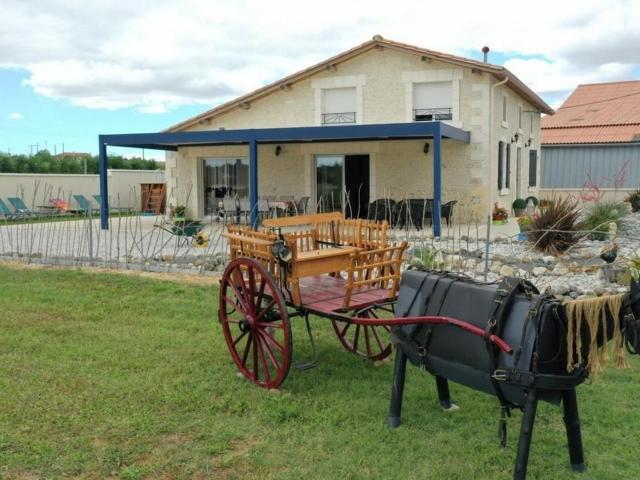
<point>106,375</point>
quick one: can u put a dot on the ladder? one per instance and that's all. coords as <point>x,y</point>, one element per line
<point>155,199</point>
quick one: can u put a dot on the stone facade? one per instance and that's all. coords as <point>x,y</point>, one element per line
<point>383,80</point>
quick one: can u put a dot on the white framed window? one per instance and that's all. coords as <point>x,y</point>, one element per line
<point>504,110</point>
<point>520,117</point>
<point>339,105</point>
<point>432,101</point>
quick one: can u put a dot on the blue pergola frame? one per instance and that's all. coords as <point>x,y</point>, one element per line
<point>171,141</point>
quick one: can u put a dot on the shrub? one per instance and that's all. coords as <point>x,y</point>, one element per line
<point>600,215</point>
<point>555,228</point>
<point>532,199</point>
<point>634,200</point>
<point>180,211</point>
<point>519,204</point>
<point>429,258</point>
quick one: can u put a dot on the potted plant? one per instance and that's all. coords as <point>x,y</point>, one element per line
<point>545,203</point>
<point>179,213</point>
<point>634,199</point>
<point>531,199</point>
<point>524,222</point>
<point>499,215</point>
<point>519,206</point>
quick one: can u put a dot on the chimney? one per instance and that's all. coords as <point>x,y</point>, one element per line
<point>485,51</point>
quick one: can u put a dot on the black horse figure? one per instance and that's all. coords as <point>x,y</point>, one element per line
<point>550,353</point>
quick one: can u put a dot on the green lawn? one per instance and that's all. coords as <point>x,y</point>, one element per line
<point>111,375</point>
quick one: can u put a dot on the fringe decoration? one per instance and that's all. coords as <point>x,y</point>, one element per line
<point>593,313</point>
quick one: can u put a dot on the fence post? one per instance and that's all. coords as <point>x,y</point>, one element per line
<point>486,248</point>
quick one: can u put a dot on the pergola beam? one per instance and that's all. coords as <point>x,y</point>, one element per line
<point>171,141</point>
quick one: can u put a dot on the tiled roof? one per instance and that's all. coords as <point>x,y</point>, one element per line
<point>596,113</point>
<point>497,71</point>
<point>599,134</point>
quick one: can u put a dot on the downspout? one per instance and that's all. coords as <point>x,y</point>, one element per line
<point>491,146</point>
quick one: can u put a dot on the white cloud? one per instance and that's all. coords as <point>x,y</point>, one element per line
<point>155,55</point>
<point>15,116</point>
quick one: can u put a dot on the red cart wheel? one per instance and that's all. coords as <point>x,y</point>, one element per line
<point>369,341</point>
<point>255,323</point>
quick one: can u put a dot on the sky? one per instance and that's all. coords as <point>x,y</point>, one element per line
<point>72,69</point>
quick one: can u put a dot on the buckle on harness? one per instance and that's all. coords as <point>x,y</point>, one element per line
<point>422,351</point>
<point>500,375</point>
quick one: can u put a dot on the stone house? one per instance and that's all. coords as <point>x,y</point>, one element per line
<point>376,83</point>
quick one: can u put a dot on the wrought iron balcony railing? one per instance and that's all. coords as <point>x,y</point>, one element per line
<point>431,114</point>
<point>341,117</point>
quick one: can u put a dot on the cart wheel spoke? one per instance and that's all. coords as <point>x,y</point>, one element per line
<point>266,309</point>
<point>240,337</point>
<point>262,351</point>
<point>273,341</point>
<point>366,340</point>
<point>247,347</point>
<point>270,353</point>
<point>376,344</point>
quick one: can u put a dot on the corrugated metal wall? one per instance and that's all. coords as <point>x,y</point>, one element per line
<point>569,167</point>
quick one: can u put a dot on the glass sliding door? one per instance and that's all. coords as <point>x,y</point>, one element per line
<point>224,177</point>
<point>329,182</point>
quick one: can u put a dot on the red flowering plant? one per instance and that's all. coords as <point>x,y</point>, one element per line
<point>499,214</point>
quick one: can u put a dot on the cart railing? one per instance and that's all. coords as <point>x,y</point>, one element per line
<point>379,268</point>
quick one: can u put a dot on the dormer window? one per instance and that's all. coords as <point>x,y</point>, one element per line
<point>338,105</point>
<point>432,101</point>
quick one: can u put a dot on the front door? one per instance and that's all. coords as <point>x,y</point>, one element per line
<point>356,185</point>
<point>342,184</point>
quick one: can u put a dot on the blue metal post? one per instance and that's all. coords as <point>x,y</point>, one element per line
<point>437,179</point>
<point>253,181</point>
<point>104,190</point>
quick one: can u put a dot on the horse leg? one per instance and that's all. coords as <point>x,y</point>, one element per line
<point>526,433</point>
<point>444,396</point>
<point>572,424</point>
<point>397,390</point>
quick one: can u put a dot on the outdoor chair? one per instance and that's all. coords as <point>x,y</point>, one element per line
<point>5,212</point>
<point>245,209</point>
<point>20,207</point>
<point>381,209</point>
<point>84,205</point>
<point>263,208</point>
<point>230,210</point>
<point>446,211</point>
<point>98,198</point>
<point>409,212</point>
<point>299,207</point>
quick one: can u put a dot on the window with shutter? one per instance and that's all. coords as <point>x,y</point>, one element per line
<point>507,182</point>
<point>533,167</point>
<point>339,105</point>
<point>500,160</point>
<point>432,101</point>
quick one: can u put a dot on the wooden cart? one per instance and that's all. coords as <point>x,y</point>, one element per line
<point>340,269</point>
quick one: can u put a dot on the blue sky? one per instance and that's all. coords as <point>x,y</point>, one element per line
<point>56,121</point>
<point>70,70</point>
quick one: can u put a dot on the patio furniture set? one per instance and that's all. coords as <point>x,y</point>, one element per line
<point>237,209</point>
<point>408,212</point>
